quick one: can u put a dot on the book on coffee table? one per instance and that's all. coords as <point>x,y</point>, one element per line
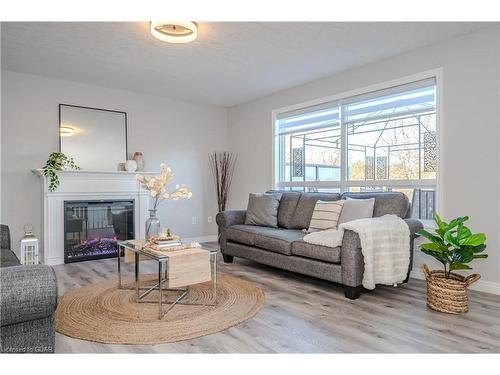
<point>168,243</point>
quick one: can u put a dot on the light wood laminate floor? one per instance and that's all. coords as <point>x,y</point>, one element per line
<point>307,315</point>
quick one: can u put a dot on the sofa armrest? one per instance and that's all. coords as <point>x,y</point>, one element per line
<point>227,218</point>
<point>414,225</point>
<point>27,293</point>
<point>351,259</point>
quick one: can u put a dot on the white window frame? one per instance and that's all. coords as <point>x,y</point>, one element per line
<point>344,184</point>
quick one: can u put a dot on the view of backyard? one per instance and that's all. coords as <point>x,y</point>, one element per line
<point>390,144</point>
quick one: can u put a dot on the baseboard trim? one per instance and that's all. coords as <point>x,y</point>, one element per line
<point>480,286</point>
<point>54,261</point>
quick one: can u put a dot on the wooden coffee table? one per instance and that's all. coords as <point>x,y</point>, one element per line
<point>169,279</point>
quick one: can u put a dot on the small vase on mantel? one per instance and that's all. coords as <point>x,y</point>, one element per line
<point>152,224</point>
<point>139,159</point>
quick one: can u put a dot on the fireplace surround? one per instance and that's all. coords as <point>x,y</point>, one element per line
<point>86,185</point>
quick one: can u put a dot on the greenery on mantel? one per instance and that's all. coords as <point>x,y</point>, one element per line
<point>57,162</point>
<point>453,244</point>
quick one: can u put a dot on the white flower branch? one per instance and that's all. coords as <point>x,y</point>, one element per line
<point>157,186</point>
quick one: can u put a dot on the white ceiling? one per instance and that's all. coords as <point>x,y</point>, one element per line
<point>230,63</point>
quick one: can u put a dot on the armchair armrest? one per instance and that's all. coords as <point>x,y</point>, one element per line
<point>4,237</point>
<point>227,218</point>
<point>414,225</point>
<point>27,293</point>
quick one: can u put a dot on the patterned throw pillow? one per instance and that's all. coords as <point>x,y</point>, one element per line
<point>325,215</point>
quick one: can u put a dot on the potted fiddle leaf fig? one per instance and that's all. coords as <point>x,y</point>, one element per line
<point>455,247</point>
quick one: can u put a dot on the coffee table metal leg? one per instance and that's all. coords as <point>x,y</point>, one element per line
<point>137,274</point>
<point>119,268</point>
<point>160,290</point>
<point>214,279</point>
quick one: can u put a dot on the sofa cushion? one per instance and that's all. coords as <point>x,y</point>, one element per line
<point>243,233</point>
<point>8,258</point>
<point>278,240</point>
<point>305,207</point>
<point>272,239</point>
<point>286,210</point>
<point>324,253</point>
<point>263,209</point>
<point>390,202</point>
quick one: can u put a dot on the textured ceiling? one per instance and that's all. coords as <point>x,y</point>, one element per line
<point>230,63</point>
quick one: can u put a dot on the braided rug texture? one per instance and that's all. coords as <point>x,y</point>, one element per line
<point>102,313</point>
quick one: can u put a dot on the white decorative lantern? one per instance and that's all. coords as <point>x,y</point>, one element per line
<point>29,246</point>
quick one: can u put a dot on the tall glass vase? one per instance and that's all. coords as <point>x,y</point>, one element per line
<point>152,225</point>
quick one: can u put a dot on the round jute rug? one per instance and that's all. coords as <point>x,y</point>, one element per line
<point>102,313</point>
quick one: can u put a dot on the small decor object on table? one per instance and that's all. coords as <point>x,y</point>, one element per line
<point>139,159</point>
<point>29,246</point>
<point>157,187</point>
<point>453,245</point>
<point>130,165</point>
<point>57,162</point>
<point>165,240</point>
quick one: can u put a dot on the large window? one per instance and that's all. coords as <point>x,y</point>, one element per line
<point>383,140</point>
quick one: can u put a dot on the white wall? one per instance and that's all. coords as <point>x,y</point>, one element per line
<point>165,130</point>
<point>470,169</point>
<point>0,127</point>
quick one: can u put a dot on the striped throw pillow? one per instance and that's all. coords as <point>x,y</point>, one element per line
<point>325,215</point>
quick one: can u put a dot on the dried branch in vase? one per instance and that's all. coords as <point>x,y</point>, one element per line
<point>222,165</point>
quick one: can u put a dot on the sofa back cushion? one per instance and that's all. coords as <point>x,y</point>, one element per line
<point>263,209</point>
<point>390,202</point>
<point>305,207</point>
<point>286,210</point>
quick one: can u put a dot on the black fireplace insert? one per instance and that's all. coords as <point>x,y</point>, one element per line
<point>93,228</point>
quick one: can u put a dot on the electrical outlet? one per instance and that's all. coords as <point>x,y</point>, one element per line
<point>209,219</point>
<point>194,220</point>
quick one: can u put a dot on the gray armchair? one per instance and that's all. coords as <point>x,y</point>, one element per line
<point>28,301</point>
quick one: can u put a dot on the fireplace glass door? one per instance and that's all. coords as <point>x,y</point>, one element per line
<point>92,228</point>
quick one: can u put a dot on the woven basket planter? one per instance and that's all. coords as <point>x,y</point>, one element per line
<point>448,295</point>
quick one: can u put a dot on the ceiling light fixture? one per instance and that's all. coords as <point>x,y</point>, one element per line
<point>174,32</point>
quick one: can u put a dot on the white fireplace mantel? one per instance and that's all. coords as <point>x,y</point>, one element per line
<point>86,185</point>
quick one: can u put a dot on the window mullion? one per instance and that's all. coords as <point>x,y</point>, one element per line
<point>343,150</point>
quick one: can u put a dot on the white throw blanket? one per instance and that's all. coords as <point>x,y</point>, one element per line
<point>385,244</point>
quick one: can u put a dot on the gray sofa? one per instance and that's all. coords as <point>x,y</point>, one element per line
<point>28,301</point>
<point>284,248</point>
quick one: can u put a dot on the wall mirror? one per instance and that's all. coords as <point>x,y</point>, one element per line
<point>95,138</point>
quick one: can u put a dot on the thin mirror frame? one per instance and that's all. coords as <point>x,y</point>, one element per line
<point>61,105</point>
